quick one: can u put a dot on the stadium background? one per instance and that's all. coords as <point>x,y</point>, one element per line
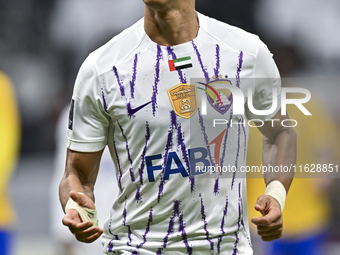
<point>43,42</point>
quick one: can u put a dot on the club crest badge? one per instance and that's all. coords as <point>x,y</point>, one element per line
<point>183,98</point>
<point>219,97</point>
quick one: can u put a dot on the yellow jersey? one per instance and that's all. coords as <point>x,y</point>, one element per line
<point>9,140</point>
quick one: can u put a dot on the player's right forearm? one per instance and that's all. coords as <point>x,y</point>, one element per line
<point>80,174</point>
<point>72,182</point>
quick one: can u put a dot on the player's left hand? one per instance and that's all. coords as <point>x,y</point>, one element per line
<point>270,225</point>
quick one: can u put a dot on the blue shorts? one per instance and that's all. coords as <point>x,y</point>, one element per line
<point>311,245</point>
<point>6,242</point>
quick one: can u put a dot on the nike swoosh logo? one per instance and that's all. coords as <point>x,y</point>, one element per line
<point>132,111</point>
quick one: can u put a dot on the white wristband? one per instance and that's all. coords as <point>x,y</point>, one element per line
<point>85,213</point>
<point>276,190</point>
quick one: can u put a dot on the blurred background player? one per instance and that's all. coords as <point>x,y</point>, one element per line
<point>9,151</point>
<point>106,193</point>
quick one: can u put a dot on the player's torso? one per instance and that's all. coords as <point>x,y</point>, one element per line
<point>158,135</point>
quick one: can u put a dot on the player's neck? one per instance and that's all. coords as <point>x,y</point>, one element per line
<point>171,27</point>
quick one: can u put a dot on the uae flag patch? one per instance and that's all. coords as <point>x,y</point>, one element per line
<point>180,63</point>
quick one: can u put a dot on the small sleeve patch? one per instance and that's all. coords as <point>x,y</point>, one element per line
<point>70,116</point>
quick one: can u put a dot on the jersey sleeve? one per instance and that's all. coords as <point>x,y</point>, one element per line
<point>266,79</point>
<point>88,121</point>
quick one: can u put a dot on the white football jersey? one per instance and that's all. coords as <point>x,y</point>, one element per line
<point>155,106</point>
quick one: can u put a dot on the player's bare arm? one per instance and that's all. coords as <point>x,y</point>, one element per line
<point>78,183</point>
<point>279,148</point>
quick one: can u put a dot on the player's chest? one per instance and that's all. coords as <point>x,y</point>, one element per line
<point>153,84</point>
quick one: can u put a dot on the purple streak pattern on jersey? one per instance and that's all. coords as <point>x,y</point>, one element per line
<point>118,163</point>
<point>205,137</point>
<point>192,183</point>
<point>128,151</point>
<point>217,69</point>
<point>110,246</point>
<point>225,211</point>
<point>171,222</point>
<point>104,101</point>
<point>245,138</point>
<point>181,145</point>
<point>219,241</point>
<point>133,79</point>
<point>239,68</point>
<point>120,84</point>
<point>146,230</point>
<point>205,226</point>
<point>155,87</point>
<point>216,186</point>
<point>235,244</point>
<point>168,146</point>
<point>237,151</point>
<point>141,168</point>
<point>204,69</point>
<point>238,83</point>
<point>173,56</point>
<point>138,196</point>
<point>181,228</point>
<point>226,137</point>
<point>128,226</point>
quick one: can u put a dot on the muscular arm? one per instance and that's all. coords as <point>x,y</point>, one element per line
<point>279,149</point>
<point>80,176</point>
